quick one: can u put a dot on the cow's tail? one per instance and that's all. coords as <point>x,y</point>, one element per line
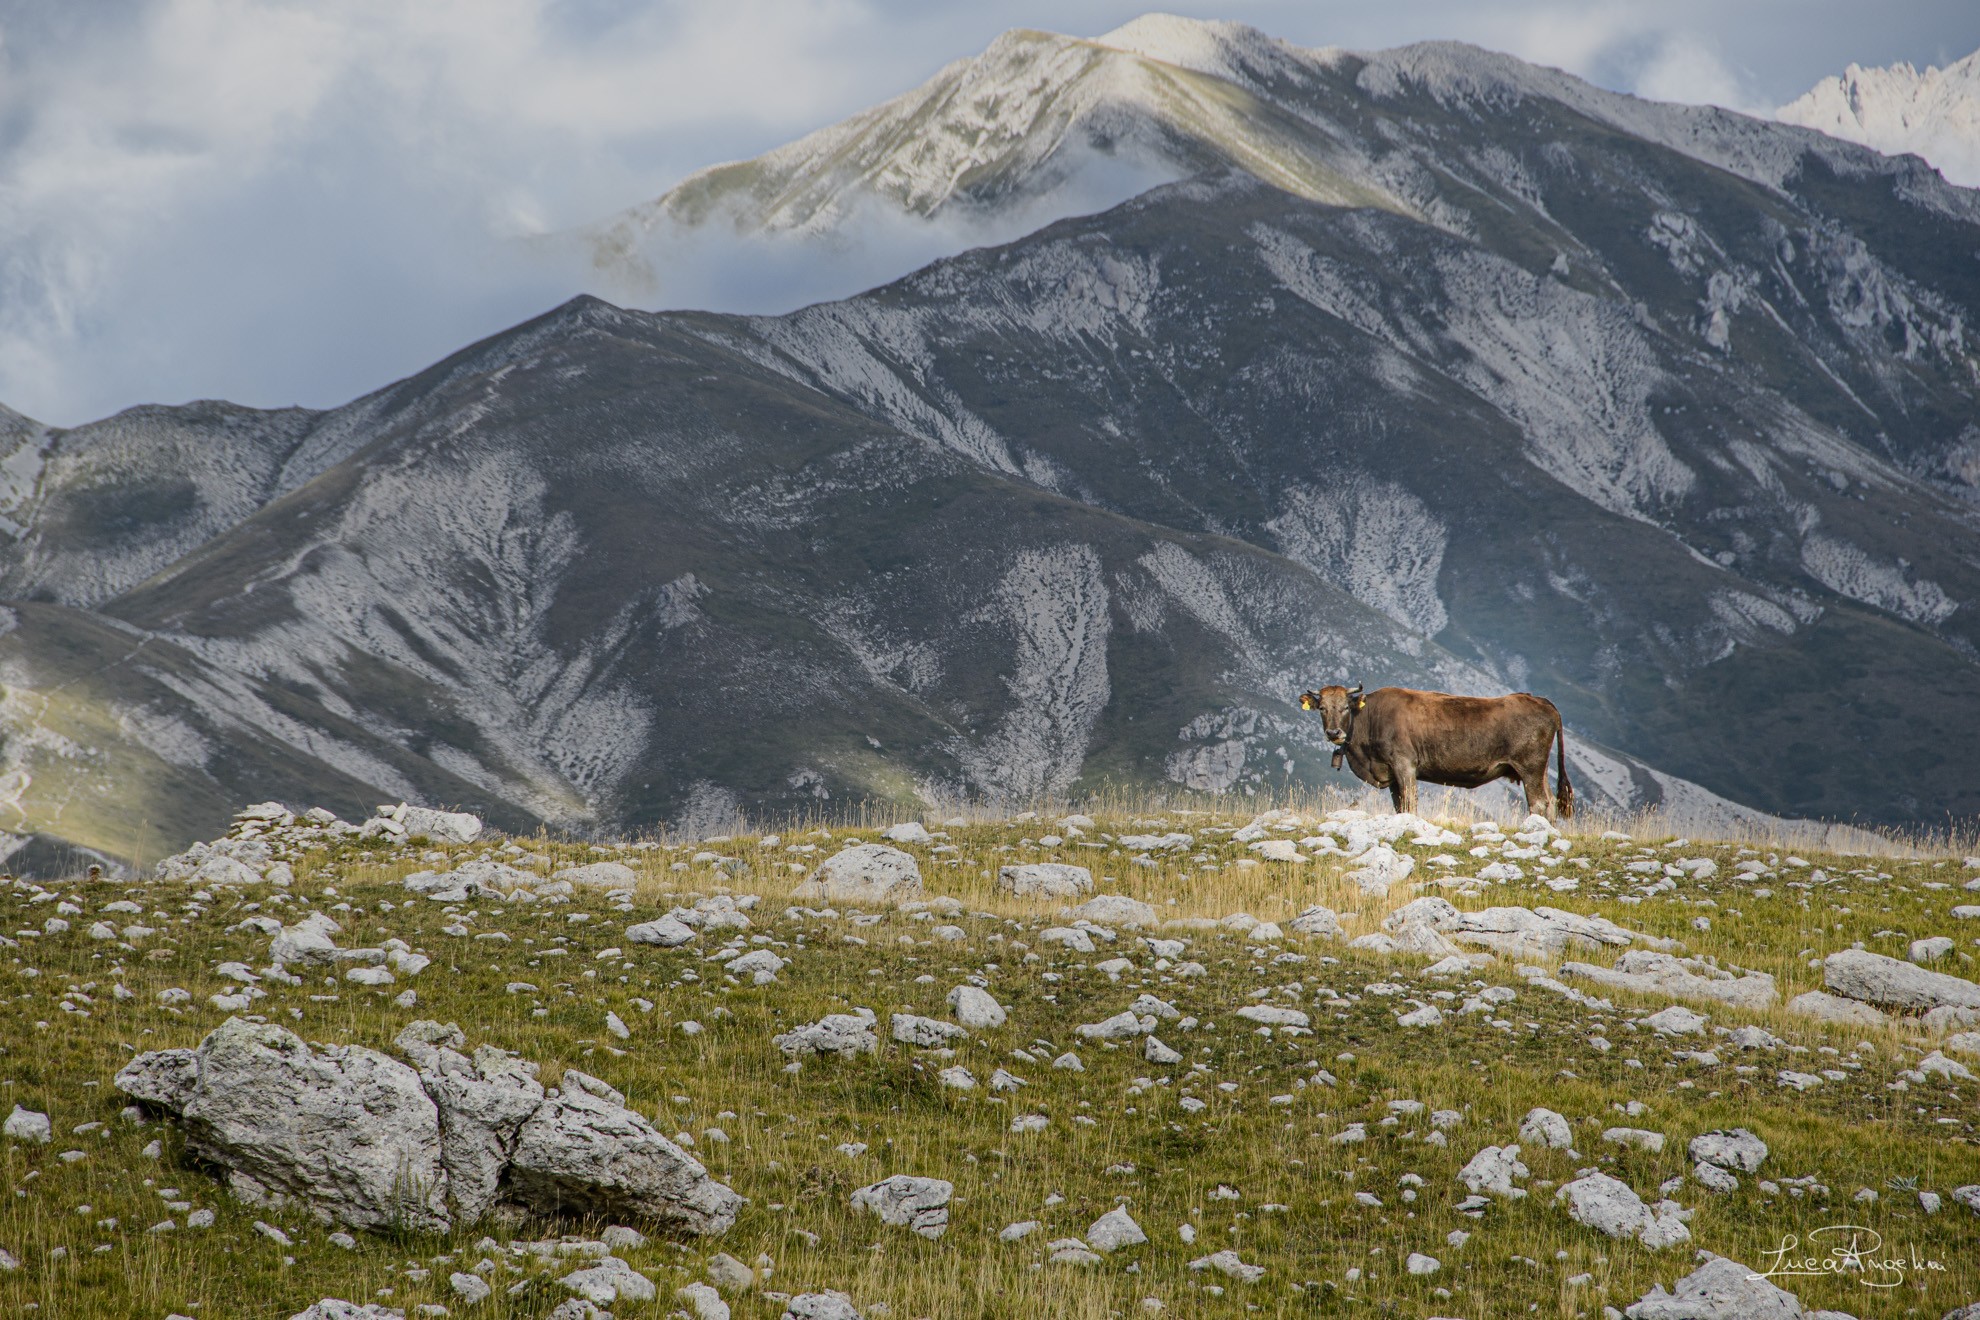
<point>1564,791</point>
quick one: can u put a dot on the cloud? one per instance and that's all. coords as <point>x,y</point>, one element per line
<point>282,201</point>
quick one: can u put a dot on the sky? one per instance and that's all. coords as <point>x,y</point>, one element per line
<point>279,202</point>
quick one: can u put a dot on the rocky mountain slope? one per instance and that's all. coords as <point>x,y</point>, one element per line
<point>1897,109</point>
<point>1661,411</point>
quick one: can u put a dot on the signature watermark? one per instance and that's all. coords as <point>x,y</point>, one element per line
<point>1846,1249</point>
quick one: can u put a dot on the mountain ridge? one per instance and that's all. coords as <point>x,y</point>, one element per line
<point>1689,448</point>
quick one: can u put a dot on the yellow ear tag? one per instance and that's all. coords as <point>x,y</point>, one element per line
<point>1360,702</point>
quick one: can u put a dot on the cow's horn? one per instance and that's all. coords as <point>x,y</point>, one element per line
<point>1355,690</point>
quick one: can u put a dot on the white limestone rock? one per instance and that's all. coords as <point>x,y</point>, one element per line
<point>1544,1127</point>
<point>1609,1205</point>
<point>924,1032</point>
<point>29,1125</point>
<point>843,1034</point>
<point>1379,868</point>
<point>1114,1230</point>
<point>665,932</point>
<point>599,875</point>
<point>1654,973</point>
<point>482,1101</point>
<point>1719,1289</point>
<point>1825,1007</point>
<point>1892,983</point>
<point>1736,1148</point>
<point>1493,1170</point>
<point>864,873</point>
<point>1116,910</point>
<point>921,1204</point>
<point>976,1008</point>
<point>1045,880</point>
<point>584,1152</point>
<point>1316,922</point>
<point>828,1305</point>
<point>347,1133</point>
<point>336,1308</point>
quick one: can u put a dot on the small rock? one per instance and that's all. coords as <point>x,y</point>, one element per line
<point>1544,1127</point>
<point>976,1009</point>
<point>1045,880</point>
<point>27,1125</point>
<point>864,873</point>
<point>1114,1230</point>
<point>1734,1149</point>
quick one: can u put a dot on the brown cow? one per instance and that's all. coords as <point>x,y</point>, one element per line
<point>1395,736</point>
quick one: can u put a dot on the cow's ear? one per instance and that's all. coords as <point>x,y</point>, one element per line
<point>1361,703</point>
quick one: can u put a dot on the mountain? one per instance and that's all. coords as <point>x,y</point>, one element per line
<point>1934,114</point>
<point>1662,412</point>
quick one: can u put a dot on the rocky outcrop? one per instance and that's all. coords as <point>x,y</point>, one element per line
<point>361,1139</point>
<point>1651,973</point>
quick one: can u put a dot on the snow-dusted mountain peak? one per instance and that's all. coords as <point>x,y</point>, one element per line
<point>1897,109</point>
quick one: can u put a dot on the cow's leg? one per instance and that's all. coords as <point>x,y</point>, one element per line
<point>1533,778</point>
<point>1402,788</point>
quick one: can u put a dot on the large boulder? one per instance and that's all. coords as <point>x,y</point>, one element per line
<point>864,873</point>
<point>1825,1007</point>
<point>361,1139</point>
<point>347,1132</point>
<point>1651,973</point>
<point>1720,1289</point>
<point>308,942</point>
<point>584,1152</point>
<point>483,1103</point>
<point>1045,880</point>
<point>1895,984</point>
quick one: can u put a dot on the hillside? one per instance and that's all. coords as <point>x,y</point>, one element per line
<point>1228,1068</point>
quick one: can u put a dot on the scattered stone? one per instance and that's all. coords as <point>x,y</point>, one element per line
<point>907,832</point>
<point>836,1033</point>
<point>830,1305</point>
<point>1318,922</point>
<point>864,873</point>
<point>1116,910</point>
<point>1544,1127</point>
<point>1379,868</point>
<point>1045,880</point>
<point>921,1204</point>
<point>1270,1016</point>
<point>1114,1230</point>
<point>470,1288</point>
<point>665,932</point>
<point>1640,1138</point>
<point>1929,950</point>
<point>706,1301</point>
<point>1154,1051</point>
<point>1608,1205</point>
<point>1122,1026</point>
<point>1676,1020</point>
<point>1420,1264</point>
<point>28,1125</point>
<point>1227,1262</point>
<point>1492,1171</point>
<point>976,1009</point>
<point>336,1308</point>
<point>923,1032</point>
<point>1734,1149</point>
<point>608,1280</point>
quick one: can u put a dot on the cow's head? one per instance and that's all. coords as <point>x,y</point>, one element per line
<point>1337,706</point>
